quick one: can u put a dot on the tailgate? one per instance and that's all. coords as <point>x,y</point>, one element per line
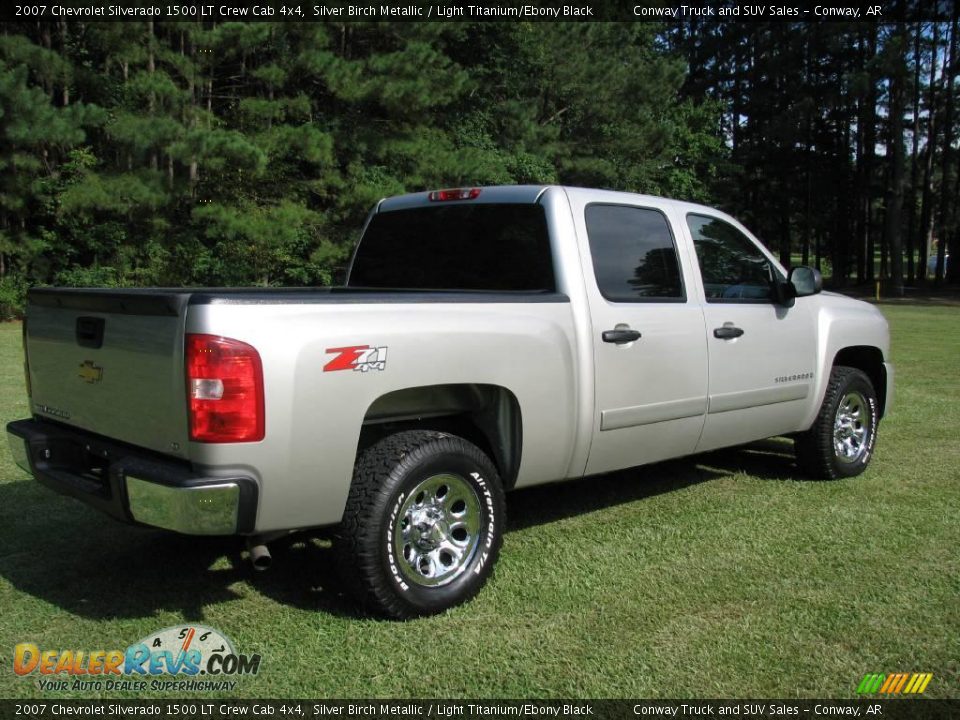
<point>111,362</point>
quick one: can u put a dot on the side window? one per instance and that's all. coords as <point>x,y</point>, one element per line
<point>732,267</point>
<point>634,254</point>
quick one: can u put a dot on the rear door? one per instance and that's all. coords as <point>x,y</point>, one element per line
<point>649,345</point>
<point>110,363</point>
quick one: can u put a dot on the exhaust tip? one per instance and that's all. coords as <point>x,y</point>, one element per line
<point>260,557</point>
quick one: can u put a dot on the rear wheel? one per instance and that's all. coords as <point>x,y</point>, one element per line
<point>423,524</point>
<point>840,443</point>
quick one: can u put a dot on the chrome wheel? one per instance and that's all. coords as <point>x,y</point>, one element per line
<point>851,428</point>
<point>438,530</point>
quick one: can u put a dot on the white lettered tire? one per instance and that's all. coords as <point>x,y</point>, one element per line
<point>840,444</point>
<point>423,524</point>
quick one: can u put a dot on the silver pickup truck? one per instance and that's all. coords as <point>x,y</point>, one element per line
<point>486,339</point>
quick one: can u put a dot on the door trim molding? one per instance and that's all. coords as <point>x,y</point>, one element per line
<point>725,402</point>
<point>625,417</point>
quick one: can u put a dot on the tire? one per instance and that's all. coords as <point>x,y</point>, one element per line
<point>841,441</point>
<point>423,524</point>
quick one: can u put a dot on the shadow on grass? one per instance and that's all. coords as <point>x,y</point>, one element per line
<point>68,556</point>
<point>767,459</point>
<point>62,553</point>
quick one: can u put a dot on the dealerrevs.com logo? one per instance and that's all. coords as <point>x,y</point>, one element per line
<point>180,658</point>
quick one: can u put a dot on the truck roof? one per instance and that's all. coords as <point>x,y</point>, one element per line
<point>532,193</point>
<point>488,194</point>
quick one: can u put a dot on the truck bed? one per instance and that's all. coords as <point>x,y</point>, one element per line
<point>111,360</point>
<point>173,301</point>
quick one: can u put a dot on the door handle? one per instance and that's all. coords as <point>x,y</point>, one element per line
<point>727,332</point>
<point>620,337</point>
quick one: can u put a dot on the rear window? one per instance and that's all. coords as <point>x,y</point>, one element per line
<point>456,247</point>
<point>634,256</point>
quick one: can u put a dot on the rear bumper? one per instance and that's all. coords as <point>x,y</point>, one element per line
<point>133,485</point>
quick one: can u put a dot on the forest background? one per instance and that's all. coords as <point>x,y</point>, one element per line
<point>138,154</point>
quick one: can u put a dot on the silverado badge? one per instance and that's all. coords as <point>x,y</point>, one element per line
<point>90,372</point>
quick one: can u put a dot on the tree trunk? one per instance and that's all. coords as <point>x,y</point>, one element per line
<point>950,72</point>
<point>737,81</point>
<point>816,238</point>
<point>191,121</point>
<point>65,94</point>
<point>952,270</point>
<point>869,145</point>
<point>951,183</point>
<point>926,198</point>
<point>860,230</point>
<point>808,209</point>
<point>914,158</point>
<point>47,41</point>
<point>892,226</point>
<point>151,104</point>
<point>785,248</point>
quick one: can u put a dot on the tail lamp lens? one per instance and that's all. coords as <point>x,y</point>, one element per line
<point>224,390</point>
<point>454,194</point>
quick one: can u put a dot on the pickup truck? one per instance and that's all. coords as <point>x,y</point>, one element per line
<point>486,339</point>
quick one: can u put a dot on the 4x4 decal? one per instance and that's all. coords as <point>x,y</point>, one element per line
<point>357,357</point>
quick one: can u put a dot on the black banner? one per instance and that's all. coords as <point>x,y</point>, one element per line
<point>914,709</point>
<point>875,11</point>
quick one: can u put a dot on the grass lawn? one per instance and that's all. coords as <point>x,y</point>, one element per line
<point>721,575</point>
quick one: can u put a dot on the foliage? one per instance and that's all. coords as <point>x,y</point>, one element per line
<point>239,153</point>
<point>13,291</point>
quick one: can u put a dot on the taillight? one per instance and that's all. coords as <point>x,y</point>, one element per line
<point>454,194</point>
<point>224,390</point>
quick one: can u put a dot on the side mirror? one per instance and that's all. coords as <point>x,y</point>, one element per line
<point>805,281</point>
<point>783,293</point>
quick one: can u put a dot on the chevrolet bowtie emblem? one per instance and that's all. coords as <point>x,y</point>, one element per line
<point>89,372</point>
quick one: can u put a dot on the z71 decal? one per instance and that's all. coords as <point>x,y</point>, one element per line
<point>359,358</point>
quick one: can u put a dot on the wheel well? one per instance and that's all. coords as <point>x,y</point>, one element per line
<point>869,360</point>
<point>486,415</point>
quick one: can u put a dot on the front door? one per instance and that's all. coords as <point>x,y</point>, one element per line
<point>761,354</point>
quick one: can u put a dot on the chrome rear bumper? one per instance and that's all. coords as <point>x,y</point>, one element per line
<point>133,485</point>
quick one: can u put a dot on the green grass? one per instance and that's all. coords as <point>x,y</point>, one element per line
<point>722,575</point>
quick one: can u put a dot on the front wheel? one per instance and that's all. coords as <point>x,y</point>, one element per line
<point>423,524</point>
<point>840,443</point>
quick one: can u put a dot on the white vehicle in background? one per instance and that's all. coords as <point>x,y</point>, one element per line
<point>932,264</point>
<point>486,339</point>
